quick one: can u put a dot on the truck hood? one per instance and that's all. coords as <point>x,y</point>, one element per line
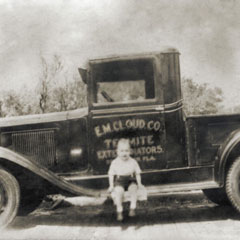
<point>43,118</point>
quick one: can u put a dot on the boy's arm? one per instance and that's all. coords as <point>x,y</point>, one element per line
<point>110,180</point>
<point>111,173</point>
<point>138,178</point>
<point>138,174</point>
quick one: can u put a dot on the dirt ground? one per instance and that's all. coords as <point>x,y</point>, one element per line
<point>182,216</point>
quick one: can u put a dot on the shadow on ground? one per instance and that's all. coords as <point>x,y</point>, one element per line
<point>169,209</point>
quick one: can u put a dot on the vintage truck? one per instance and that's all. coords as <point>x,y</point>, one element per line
<point>136,97</point>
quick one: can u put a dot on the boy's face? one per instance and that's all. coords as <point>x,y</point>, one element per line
<point>123,151</point>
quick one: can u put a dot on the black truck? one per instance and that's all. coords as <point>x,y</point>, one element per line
<point>136,97</point>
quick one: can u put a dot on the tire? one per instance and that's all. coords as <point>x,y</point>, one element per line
<point>233,184</point>
<point>9,197</point>
<point>217,195</point>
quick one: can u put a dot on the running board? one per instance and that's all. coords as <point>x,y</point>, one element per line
<point>179,187</point>
<point>157,190</point>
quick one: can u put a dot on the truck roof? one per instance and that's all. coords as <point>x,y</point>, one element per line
<point>134,55</point>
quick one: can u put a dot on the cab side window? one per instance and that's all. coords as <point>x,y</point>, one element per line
<point>124,81</point>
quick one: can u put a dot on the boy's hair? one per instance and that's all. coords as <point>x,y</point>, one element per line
<point>123,141</point>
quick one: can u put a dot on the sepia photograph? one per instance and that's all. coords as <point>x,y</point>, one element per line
<point>119,119</point>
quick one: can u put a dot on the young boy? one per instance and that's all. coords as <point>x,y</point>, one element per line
<point>124,174</point>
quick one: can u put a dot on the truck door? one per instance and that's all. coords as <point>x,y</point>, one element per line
<point>127,102</point>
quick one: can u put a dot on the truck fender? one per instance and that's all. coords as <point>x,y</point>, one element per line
<point>223,154</point>
<point>43,172</point>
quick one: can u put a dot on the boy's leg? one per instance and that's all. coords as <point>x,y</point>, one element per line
<point>132,189</point>
<point>119,193</point>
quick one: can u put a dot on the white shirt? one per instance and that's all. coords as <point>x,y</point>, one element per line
<point>124,167</point>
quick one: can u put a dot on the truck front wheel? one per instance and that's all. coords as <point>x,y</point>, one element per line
<point>9,197</point>
<point>233,184</point>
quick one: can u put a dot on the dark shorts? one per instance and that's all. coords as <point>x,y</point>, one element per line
<point>124,181</point>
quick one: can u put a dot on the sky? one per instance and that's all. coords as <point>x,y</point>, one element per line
<point>205,32</point>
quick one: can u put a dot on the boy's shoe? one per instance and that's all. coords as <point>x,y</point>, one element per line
<point>119,216</point>
<point>132,213</point>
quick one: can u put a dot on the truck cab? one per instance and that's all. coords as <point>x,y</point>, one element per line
<point>137,97</point>
<point>126,99</point>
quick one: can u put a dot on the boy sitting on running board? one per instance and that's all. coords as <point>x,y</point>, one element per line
<point>124,174</point>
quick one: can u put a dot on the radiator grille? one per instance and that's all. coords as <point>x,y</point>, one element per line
<point>38,144</point>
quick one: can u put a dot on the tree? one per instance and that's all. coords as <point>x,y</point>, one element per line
<point>200,98</point>
<point>69,95</point>
<point>11,104</point>
<point>49,73</point>
<point>58,89</point>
